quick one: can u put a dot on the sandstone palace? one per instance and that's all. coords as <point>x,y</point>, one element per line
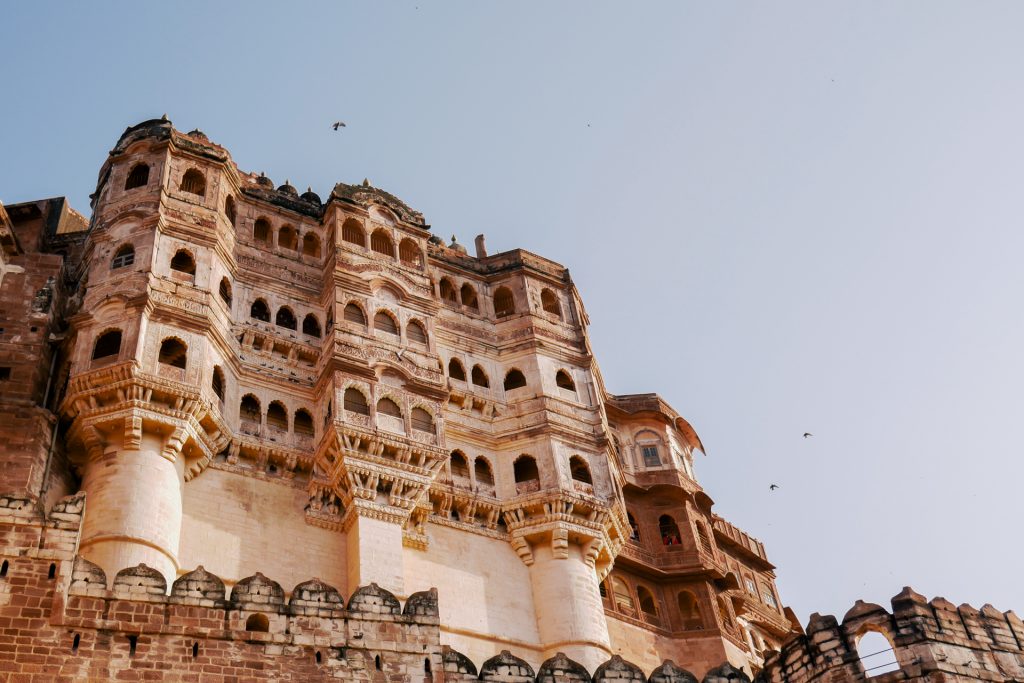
<point>253,434</point>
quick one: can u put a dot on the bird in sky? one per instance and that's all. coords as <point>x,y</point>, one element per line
<point>338,124</point>
<point>772,487</point>
<point>808,435</point>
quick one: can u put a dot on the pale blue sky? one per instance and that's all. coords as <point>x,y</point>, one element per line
<point>783,217</point>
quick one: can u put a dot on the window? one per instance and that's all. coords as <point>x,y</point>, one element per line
<point>385,323</point>
<point>669,531</point>
<point>352,232</point>
<point>257,622</point>
<point>703,539</point>
<point>355,402</point>
<point>564,381</point>
<point>303,422</point>
<point>723,611</point>
<point>311,326</point>
<point>579,470</point>
<point>689,612</point>
<point>422,421</point>
<point>287,238</point>
<point>249,409</point>
<point>285,318</point>
<point>124,257</point>
<point>260,311</point>
<point>138,177</point>
<point>261,230</point>
<point>623,598</point>
<point>229,209</point>
<point>173,352</point>
<point>468,295</point>
<point>415,333</point>
<point>183,262</point>
<point>225,291</point>
<point>277,416</point>
<point>514,379</point>
<point>749,582</point>
<point>482,470</point>
<point>107,345</point>
<point>876,654</point>
<point>480,377</point>
<point>634,530</point>
<point>193,182</point>
<point>455,370</point>
<point>448,291</point>
<point>768,595</point>
<point>525,469</point>
<point>409,253</point>
<point>386,406</point>
<point>311,245</point>
<point>217,384</point>
<point>647,603</point>
<point>381,243</point>
<point>651,458</point>
<point>549,302</point>
<point>459,466</point>
<point>354,314</point>
<point>504,304</point>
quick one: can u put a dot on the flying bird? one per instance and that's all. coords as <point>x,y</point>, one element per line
<point>807,435</point>
<point>338,124</point>
<point>772,487</point>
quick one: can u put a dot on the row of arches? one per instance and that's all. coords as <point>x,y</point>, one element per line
<point>384,321</point>
<point>173,351</point>
<point>504,301</point>
<point>640,602</point>
<point>420,419</point>
<point>381,242</point>
<point>250,411</point>
<point>285,317</point>
<point>524,469</point>
<point>514,378</point>
<point>287,238</point>
<point>668,532</point>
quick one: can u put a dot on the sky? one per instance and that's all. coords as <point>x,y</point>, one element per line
<point>783,217</point>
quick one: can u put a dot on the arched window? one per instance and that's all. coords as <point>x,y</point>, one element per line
<point>703,539</point>
<point>448,291</point>
<point>138,177</point>
<point>669,531</point>
<point>482,471</point>
<point>285,318</point>
<point>225,291</point>
<point>634,530</point>
<point>514,379</point>
<point>193,182</point>
<point>422,421</point>
<point>311,326</point>
<point>455,370</point>
<point>468,295</point>
<point>354,314</point>
<point>525,469</point>
<point>409,253</point>
<point>549,302</point>
<point>876,654</point>
<point>183,262</point>
<point>768,595</point>
<point>124,257</point>
<point>386,406</point>
<point>504,303</point>
<point>381,243</point>
<point>249,409</point>
<point>173,352</point>
<point>622,597</point>
<point>355,402</point>
<point>579,470</point>
<point>459,465</point>
<point>107,344</point>
<point>352,232</point>
<point>217,384</point>
<point>277,416</point>
<point>257,622</point>
<point>261,230</point>
<point>415,333</point>
<point>564,381</point>
<point>689,612</point>
<point>723,611</point>
<point>303,422</point>
<point>648,605</point>
<point>480,377</point>
<point>229,209</point>
<point>287,238</point>
<point>385,323</point>
<point>311,245</point>
<point>260,311</point>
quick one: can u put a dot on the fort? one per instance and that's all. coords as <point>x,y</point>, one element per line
<point>251,434</point>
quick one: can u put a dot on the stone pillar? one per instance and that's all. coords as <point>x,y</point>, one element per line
<point>375,553</point>
<point>570,616</point>
<point>133,505</point>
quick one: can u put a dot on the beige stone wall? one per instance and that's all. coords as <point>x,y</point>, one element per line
<point>648,650</point>
<point>235,526</point>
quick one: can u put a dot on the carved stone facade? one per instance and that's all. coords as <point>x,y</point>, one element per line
<point>229,375</point>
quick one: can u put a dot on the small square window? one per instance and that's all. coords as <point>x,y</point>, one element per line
<point>651,458</point>
<point>5,374</point>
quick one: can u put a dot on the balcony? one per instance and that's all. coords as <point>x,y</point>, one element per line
<point>529,486</point>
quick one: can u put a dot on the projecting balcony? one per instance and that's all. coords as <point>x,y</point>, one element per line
<point>170,372</point>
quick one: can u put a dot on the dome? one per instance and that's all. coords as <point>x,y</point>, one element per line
<point>456,246</point>
<point>264,180</point>
<point>311,196</point>
<point>198,134</point>
<point>288,189</point>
